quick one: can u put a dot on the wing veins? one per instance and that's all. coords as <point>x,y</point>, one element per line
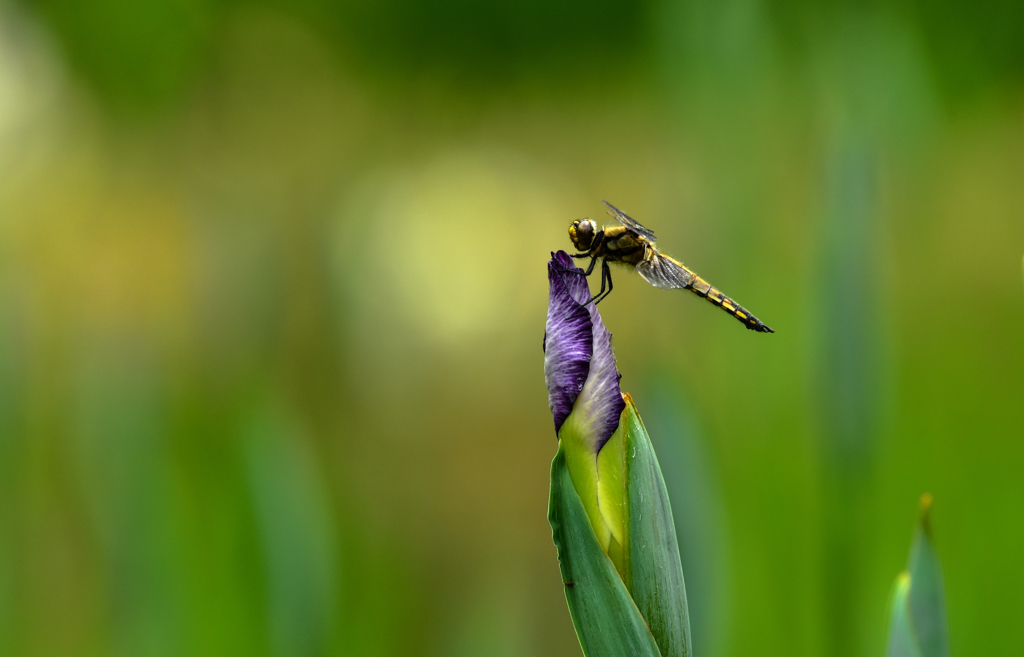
<point>630,222</point>
<point>664,272</point>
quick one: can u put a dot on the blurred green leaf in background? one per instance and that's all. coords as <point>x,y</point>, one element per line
<point>268,310</point>
<point>917,623</point>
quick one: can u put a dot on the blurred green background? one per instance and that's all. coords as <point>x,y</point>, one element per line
<point>272,292</point>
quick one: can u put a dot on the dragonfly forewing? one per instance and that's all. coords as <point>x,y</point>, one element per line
<point>630,222</point>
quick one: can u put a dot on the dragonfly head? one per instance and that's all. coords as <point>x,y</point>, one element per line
<point>581,232</point>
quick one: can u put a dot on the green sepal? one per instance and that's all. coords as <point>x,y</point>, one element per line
<point>655,569</point>
<point>607,622</point>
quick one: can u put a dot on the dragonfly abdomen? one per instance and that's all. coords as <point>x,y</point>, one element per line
<point>705,290</point>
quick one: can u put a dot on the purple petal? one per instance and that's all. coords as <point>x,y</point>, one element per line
<point>601,401</point>
<point>568,336</point>
<point>579,364</point>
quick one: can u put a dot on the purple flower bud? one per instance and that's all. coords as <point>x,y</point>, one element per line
<point>579,365</point>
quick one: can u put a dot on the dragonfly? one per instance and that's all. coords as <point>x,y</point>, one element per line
<point>632,245</point>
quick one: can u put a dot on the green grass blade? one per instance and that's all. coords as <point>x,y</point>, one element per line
<point>656,572</point>
<point>607,621</point>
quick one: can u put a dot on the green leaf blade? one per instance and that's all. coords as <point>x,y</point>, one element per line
<point>607,621</point>
<point>656,572</point>
<point>927,594</point>
<point>918,616</point>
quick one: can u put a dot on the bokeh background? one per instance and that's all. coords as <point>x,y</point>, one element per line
<point>272,292</point>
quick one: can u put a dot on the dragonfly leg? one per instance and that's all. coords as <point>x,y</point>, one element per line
<point>606,272</point>
<point>593,261</point>
<point>606,275</point>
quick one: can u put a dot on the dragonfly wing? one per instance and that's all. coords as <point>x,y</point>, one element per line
<point>664,272</point>
<point>630,222</point>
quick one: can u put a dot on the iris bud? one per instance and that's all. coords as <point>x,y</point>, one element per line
<point>609,510</point>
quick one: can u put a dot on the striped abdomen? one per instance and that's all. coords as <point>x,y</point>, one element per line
<point>705,290</point>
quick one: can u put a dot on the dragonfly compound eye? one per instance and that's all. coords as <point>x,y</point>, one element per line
<point>582,234</point>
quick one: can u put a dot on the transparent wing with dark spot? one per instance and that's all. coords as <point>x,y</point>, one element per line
<point>630,222</point>
<point>664,272</point>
